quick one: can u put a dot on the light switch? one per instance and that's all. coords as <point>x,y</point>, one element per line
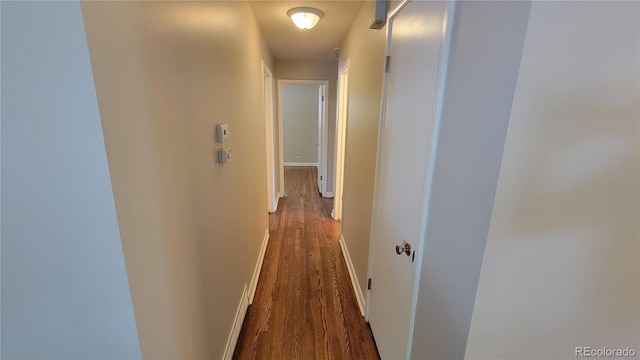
<point>222,133</point>
<point>224,156</point>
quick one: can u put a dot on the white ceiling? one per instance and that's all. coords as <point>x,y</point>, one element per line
<point>287,42</point>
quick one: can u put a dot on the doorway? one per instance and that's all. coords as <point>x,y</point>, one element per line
<point>341,132</point>
<point>302,129</point>
<point>272,184</point>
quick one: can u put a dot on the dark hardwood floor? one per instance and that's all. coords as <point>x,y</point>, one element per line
<point>304,306</point>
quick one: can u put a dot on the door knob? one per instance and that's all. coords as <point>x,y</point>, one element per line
<point>404,248</point>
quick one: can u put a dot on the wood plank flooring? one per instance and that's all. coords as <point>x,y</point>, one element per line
<point>304,306</point>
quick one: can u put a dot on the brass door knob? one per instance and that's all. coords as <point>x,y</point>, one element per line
<point>404,248</point>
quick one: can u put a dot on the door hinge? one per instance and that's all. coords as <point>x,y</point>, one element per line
<point>322,97</point>
<point>369,284</point>
<point>387,62</point>
<point>320,177</point>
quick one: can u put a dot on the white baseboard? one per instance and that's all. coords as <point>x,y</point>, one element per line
<point>301,164</point>
<point>352,275</point>
<point>278,197</point>
<point>274,206</point>
<point>258,268</point>
<point>327,194</point>
<point>237,325</point>
<point>247,298</point>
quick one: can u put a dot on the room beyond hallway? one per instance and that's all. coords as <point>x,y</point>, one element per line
<point>304,306</point>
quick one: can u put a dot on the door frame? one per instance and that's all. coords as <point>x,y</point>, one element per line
<point>321,109</point>
<point>322,150</point>
<point>448,24</point>
<point>341,137</point>
<point>273,195</point>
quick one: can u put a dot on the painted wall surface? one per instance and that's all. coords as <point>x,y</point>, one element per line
<point>0,183</point>
<point>65,292</point>
<point>300,122</point>
<point>560,268</point>
<point>365,50</point>
<point>319,70</point>
<point>483,64</point>
<point>166,73</point>
<point>392,5</point>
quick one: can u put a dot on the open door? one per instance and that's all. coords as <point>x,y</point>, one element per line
<point>416,38</point>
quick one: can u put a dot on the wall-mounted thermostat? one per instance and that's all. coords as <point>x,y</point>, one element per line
<point>222,133</point>
<point>224,156</point>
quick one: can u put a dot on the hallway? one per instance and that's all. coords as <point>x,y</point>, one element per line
<point>304,306</point>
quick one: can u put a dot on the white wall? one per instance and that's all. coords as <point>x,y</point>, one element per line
<point>300,122</point>
<point>65,292</point>
<point>560,268</point>
<point>316,70</point>
<point>482,69</point>
<point>166,73</point>
<point>365,50</point>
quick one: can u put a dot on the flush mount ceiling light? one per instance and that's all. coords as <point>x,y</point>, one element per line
<point>305,17</point>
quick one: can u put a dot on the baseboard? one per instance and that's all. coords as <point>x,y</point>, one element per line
<point>237,325</point>
<point>258,268</point>
<point>301,164</point>
<point>278,197</point>
<point>328,194</point>
<point>275,204</point>
<point>352,275</point>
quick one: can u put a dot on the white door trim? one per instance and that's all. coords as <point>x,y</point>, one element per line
<point>448,24</point>
<point>267,90</point>
<point>322,152</point>
<point>340,131</point>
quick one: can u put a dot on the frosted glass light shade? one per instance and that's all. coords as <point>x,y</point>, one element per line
<point>304,17</point>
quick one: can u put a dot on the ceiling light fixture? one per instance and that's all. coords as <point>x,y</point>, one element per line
<point>305,17</point>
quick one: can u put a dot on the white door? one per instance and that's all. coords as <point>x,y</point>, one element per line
<point>416,38</point>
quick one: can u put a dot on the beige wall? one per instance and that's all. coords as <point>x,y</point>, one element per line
<point>300,122</point>
<point>561,263</point>
<point>316,70</point>
<point>365,50</point>
<point>165,74</point>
